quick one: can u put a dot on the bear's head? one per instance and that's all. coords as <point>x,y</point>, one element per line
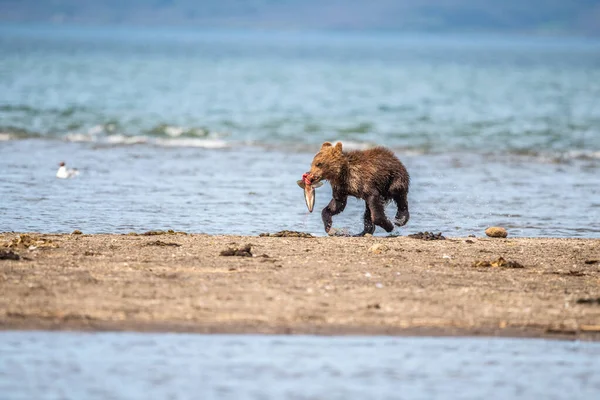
<point>328,163</point>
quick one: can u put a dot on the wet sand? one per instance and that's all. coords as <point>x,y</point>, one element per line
<point>293,285</point>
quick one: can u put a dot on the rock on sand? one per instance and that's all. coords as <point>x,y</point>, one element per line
<point>496,232</point>
<point>378,248</point>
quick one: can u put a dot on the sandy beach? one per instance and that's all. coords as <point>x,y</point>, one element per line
<point>299,285</point>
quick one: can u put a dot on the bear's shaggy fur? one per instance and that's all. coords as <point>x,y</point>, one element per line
<point>374,175</point>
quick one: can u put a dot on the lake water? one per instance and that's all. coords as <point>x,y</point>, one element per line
<point>63,365</point>
<point>207,131</point>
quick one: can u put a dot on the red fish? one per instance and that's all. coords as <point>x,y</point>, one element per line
<point>309,191</point>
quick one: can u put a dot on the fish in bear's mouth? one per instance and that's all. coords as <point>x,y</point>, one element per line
<point>309,190</point>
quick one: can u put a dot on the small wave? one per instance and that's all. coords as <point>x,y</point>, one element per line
<point>111,132</point>
<point>96,130</point>
<point>355,145</point>
<point>583,154</point>
<point>557,157</point>
<point>16,108</point>
<point>175,131</point>
<point>122,139</point>
<point>14,133</point>
<point>116,140</point>
<point>33,111</point>
<point>191,142</point>
<point>105,128</point>
<point>78,137</point>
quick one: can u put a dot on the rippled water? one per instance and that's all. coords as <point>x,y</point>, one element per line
<point>250,190</point>
<point>207,131</point>
<point>47,365</point>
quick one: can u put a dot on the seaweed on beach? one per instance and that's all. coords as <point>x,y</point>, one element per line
<point>168,232</point>
<point>570,272</point>
<point>156,233</point>
<point>287,234</point>
<point>9,255</point>
<point>590,301</point>
<point>26,241</point>
<point>427,236</point>
<point>161,243</point>
<point>499,263</point>
<point>244,251</point>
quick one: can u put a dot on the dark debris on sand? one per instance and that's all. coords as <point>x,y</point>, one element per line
<point>571,272</point>
<point>156,233</point>
<point>161,243</point>
<point>287,234</point>
<point>427,236</point>
<point>500,262</point>
<point>590,301</point>
<point>30,241</point>
<point>169,232</point>
<point>238,252</point>
<point>9,255</point>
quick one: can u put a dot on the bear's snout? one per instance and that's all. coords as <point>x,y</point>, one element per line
<point>313,178</point>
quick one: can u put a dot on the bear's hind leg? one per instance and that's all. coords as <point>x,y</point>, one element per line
<point>402,215</point>
<point>378,217</point>
<point>369,225</point>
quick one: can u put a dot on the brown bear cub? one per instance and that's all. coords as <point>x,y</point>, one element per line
<point>376,175</point>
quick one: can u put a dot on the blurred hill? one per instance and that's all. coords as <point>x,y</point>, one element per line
<point>533,16</point>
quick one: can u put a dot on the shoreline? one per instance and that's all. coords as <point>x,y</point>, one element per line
<point>400,286</point>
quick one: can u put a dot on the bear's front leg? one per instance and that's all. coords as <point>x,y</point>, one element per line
<point>334,207</point>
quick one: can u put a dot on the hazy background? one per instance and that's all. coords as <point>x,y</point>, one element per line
<point>581,17</point>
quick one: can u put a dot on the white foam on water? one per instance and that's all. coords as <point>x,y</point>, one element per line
<point>582,154</point>
<point>79,137</point>
<point>122,139</point>
<point>354,145</point>
<point>96,130</point>
<point>193,142</point>
<point>174,131</point>
<point>138,139</point>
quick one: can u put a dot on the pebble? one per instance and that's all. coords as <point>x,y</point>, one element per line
<point>496,231</point>
<point>378,248</point>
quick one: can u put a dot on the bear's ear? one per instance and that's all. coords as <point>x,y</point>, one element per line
<point>325,145</point>
<point>338,147</point>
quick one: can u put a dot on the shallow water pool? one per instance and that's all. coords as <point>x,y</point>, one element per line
<point>65,365</point>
